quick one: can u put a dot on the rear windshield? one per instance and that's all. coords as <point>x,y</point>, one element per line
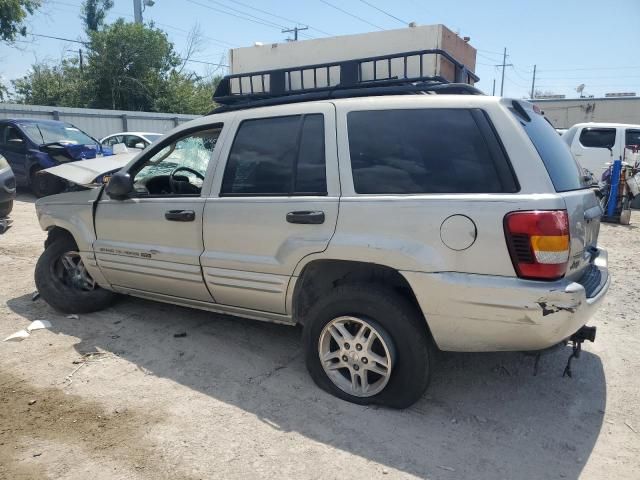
<point>563,169</point>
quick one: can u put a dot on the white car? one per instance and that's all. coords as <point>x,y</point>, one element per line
<point>135,140</point>
<point>594,145</point>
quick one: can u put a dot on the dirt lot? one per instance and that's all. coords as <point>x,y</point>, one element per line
<point>232,399</point>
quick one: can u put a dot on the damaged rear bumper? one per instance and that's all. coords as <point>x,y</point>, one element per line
<point>480,313</point>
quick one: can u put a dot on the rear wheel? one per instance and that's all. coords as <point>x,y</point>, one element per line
<point>44,184</point>
<point>64,283</point>
<point>366,344</point>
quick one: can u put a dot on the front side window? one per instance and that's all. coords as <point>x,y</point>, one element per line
<point>420,151</point>
<point>179,167</point>
<point>277,156</point>
<point>598,137</point>
<point>111,141</point>
<point>12,137</point>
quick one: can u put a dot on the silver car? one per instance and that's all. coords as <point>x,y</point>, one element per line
<point>387,226</point>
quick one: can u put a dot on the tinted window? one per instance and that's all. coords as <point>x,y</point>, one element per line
<point>266,153</point>
<point>632,138</point>
<point>564,171</point>
<point>598,137</point>
<point>420,151</point>
<point>311,172</point>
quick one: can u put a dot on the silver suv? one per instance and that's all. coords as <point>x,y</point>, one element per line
<point>387,226</point>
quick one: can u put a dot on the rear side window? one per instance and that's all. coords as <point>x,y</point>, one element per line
<point>425,151</point>
<point>564,171</point>
<point>277,156</point>
<point>598,137</point>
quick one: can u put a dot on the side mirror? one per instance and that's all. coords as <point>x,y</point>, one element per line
<point>139,145</point>
<point>120,186</point>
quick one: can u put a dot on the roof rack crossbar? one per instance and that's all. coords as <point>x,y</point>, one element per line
<point>241,87</point>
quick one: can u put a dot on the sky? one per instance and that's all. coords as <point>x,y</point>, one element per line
<point>572,42</point>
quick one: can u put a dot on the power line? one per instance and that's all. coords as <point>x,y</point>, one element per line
<point>259,19</point>
<point>385,12</point>
<point>280,17</point>
<point>352,15</point>
<point>271,25</point>
<point>58,38</point>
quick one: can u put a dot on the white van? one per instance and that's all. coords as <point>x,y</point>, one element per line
<point>595,144</point>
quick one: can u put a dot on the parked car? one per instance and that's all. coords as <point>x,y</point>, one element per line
<point>388,226</point>
<point>132,140</point>
<point>594,145</point>
<point>7,188</point>
<point>33,145</point>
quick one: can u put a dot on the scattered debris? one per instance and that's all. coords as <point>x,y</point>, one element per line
<point>115,336</point>
<point>38,325</point>
<point>385,471</point>
<point>35,296</point>
<point>32,402</point>
<point>481,419</point>
<point>631,428</point>
<point>73,316</point>
<point>117,322</point>
<point>17,337</point>
<point>88,357</point>
<point>37,454</point>
<point>449,469</point>
<point>180,335</point>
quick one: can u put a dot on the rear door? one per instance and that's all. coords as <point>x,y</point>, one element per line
<point>582,205</point>
<point>275,202</point>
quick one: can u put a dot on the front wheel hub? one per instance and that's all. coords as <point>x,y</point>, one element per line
<point>70,270</point>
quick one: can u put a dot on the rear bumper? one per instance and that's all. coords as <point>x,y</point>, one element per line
<point>480,313</point>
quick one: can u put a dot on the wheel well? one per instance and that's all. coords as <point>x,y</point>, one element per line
<point>55,233</point>
<point>320,276</point>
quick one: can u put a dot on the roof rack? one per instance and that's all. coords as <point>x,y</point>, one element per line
<point>372,76</point>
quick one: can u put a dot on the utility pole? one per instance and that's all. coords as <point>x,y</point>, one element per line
<point>81,62</point>
<point>493,92</point>
<point>533,82</point>
<point>503,65</point>
<point>137,10</point>
<point>295,31</point>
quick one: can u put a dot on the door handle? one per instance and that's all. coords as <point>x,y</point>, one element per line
<point>180,215</point>
<point>306,217</point>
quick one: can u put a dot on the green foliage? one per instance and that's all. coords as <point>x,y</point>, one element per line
<point>12,15</point>
<point>93,13</point>
<point>128,67</point>
<point>59,85</point>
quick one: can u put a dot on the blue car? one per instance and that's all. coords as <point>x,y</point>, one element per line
<point>33,145</point>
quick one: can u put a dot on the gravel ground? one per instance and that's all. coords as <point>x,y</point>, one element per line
<point>115,395</point>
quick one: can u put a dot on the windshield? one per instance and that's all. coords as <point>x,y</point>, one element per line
<point>41,133</point>
<point>152,137</point>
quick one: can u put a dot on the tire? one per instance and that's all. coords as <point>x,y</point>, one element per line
<point>64,295</point>
<point>5,208</point>
<point>44,184</point>
<point>398,323</point>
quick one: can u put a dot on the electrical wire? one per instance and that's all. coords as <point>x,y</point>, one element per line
<point>280,17</point>
<point>271,25</point>
<point>385,12</point>
<point>350,14</point>
<point>259,19</point>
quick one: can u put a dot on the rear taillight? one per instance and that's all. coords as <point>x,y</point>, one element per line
<point>539,243</point>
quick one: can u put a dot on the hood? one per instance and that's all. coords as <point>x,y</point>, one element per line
<point>87,171</point>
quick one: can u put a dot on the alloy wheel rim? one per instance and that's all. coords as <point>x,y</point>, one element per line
<point>70,270</point>
<point>357,355</point>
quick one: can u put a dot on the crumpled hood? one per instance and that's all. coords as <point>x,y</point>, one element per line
<point>86,172</point>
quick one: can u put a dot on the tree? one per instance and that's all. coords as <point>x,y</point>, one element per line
<point>187,94</point>
<point>59,85</point>
<point>12,16</point>
<point>93,13</point>
<point>128,64</point>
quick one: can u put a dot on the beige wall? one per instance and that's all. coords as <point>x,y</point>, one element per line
<point>566,113</point>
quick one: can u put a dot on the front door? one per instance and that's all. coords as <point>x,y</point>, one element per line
<point>276,203</point>
<point>593,147</point>
<point>152,241</point>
